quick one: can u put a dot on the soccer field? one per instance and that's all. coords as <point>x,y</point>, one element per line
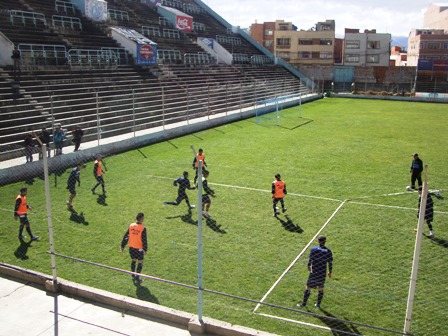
<point>346,165</point>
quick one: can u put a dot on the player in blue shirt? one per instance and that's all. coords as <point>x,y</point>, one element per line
<point>183,183</point>
<point>319,257</point>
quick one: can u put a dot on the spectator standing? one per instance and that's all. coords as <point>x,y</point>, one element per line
<point>29,145</point>
<point>319,257</point>
<point>200,156</point>
<point>71,183</point>
<point>183,183</point>
<point>416,172</point>
<point>278,193</point>
<point>21,212</point>
<point>136,238</point>
<point>17,58</point>
<point>429,211</point>
<point>98,173</point>
<point>45,138</point>
<point>58,139</point>
<point>77,134</point>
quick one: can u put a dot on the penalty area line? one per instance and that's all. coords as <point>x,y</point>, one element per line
<point>255,189</point>
<point>298,256</point>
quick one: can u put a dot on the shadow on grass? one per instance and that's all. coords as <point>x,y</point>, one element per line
<point>22,250</point>
<point>142,154</point>
<point>78,217</point>
<point>440,241</point>
<point>338,327</point>
<point>211,223</point>
<point>101,200</point>
<point>188,218</point>
<point>144,294</point>
<point>288,224</point>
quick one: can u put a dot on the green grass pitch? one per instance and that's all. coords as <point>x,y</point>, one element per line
<point>357,151</point>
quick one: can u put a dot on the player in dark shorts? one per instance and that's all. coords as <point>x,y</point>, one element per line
<point>183,183</point>
<point>319,257</point>
<point>71,183</point>
<point>207,191</point>
<point>135,236</point>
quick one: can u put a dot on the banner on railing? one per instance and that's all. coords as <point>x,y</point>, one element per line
<point>93,9</point>
<point>177,18</point>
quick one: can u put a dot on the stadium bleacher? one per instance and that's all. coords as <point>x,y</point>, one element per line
<point>74,73</point>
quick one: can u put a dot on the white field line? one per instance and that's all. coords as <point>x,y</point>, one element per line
<point>299,256</point>
<point>295,321</point>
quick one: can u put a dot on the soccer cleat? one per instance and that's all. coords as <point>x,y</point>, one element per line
<point>93,191</point>
<point>164,203</point>
<point>302,304</point>
<point>22,237</point>
<point>431,234</point>
<point>69,205</point>
<point>275,214</point>
<point>205,214</point>
<point>317,305</point>
<point>284,209</point>
<point>34,237</point>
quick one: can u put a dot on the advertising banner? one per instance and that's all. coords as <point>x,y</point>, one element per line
<point>146,54</point>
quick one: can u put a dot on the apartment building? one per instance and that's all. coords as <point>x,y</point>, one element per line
<point>436,17</point>
<point>366,49</point>
<point>298,47</point>
<point>427,44</point>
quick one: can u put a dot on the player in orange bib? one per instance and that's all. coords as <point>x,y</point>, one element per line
<point>135,237</point>
<point>98,173</point>
<point>199,157</point>
<point>278,193</point>
<point>20,212</point>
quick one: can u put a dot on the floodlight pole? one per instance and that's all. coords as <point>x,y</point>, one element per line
<point>199,208</point>
<point>49,216</point>
<point>418,243</point>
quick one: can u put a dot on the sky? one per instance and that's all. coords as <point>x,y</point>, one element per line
<point>386,16</point>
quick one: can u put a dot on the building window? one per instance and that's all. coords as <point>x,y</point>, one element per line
<point>352,44</point>
<point>445,45</point>
<point>305,55</point>
<point>282,27</point>
<point>326,42</point>
<point>373,58</point>
<point>326,55</point>
<point>305,41</point>
<point>283,54</point>
<point>433,45</point>
<point>373,44</point>
<point>350,58</point>
<point>283,42</point>
<point>269,32</point>
<point>268,43</point>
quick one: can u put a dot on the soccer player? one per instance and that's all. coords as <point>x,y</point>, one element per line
<point>199,157</point>
<point>429,211</point>
<point>20,212</point>
<point>71,183</point>
<point>278,193</point>
<point>207,191</point>
<point>183,183</point>
<point>319,257</point>
<point>98,173</point>
<point>136,238</point>
<point>416,172</point>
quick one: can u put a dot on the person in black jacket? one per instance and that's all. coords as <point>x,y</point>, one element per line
<point>183,183</point>
<point>429,211</point>
<point>416,172</point>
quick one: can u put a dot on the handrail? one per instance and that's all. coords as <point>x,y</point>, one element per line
<point>26,15</point>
